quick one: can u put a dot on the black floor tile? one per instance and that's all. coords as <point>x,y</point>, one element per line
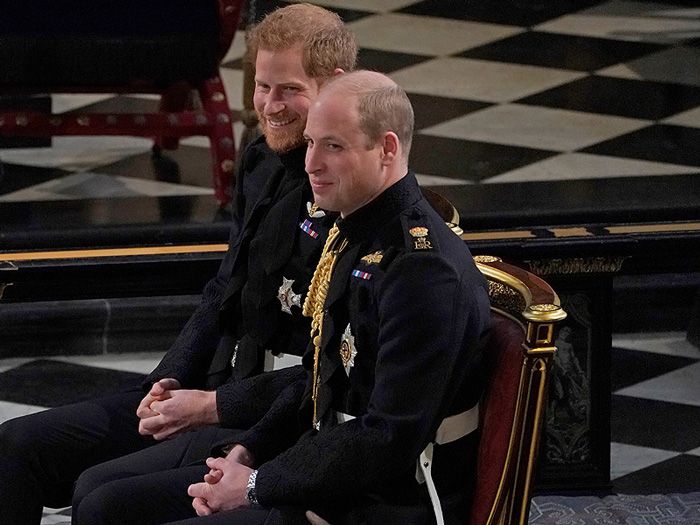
<point>680,474</point>
<point>53,383</point>
<point>180,166</point>
<point>14,177</point>
<point>513,12</point>
<point>263,8</point>
<point>430,110</point>
<point>631,366</point>
<point>561,51</point>
<point>386,61</point>
<point>619,96</point>
<point>654,424</point>
<point>659,143</point>
<point>462,159</point>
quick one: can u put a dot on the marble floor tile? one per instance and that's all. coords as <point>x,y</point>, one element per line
<point>88,185</point>
<point>694,452</point>
<point>237,48</point>
<point>625,459</point>
<point>690,118</point>
<point>667,343</point>
<point>434,180</point>
<point>644,99</point>
<point>479,79</point>
<point>635,21</point>
<point>78,153</point>
<point>425,35</point>
<point>140,363</point>
<point>376,6</point>
<point>233,83</point>
<point>680,65</point>
<point>680,386</point>
<point>575,166</point>
<point>658,143</point>
<point>386,61</point>
<point>521,13</point>
<point>545,49</point>
<point>536,127</point>
<point>62,102</point>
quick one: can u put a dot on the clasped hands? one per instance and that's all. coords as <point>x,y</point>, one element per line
<point>167,410</point>
<point>225,485</point>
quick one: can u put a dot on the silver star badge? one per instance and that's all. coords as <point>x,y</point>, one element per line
<point>287,296</point>
<point>348,350</point>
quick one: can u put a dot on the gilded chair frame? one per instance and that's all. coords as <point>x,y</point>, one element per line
<point>530,302</point>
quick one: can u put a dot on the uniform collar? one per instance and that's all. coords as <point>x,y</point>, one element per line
<point>368,219</point>
<point>293,161</point>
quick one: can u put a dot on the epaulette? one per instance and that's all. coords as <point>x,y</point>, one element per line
<point>417,232</point>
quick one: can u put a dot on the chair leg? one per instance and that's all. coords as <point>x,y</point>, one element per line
<point>223,151</point>
<point>173,100</point>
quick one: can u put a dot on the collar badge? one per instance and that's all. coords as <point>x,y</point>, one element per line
<point>314,211</point>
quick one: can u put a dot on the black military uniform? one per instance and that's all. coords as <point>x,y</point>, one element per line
<point>405,315</point>
<point>43,454</point>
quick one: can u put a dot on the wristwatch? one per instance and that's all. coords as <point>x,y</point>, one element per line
<point>250,493</point>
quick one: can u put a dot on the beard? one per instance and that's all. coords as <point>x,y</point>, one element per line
<point>285,139</point>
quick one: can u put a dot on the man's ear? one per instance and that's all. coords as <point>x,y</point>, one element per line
<point>391,147</point>
<point>338,71</point>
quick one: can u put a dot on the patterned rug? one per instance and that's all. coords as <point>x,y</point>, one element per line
<point>671,509</point>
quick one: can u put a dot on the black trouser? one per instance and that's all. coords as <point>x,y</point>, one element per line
<point>148,486</point>
<point>42,454</point>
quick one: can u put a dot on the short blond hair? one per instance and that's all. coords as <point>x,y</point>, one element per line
<point>382,105</point>
<point>326,43</point>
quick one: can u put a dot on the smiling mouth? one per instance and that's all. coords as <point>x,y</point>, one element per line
<point>279,123</point>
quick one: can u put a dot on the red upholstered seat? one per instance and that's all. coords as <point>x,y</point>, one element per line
<point>519,353</point>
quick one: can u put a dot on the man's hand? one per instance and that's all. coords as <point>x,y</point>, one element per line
<point>156,393</point>
<point>228,492</point>
<point>315,519</point>
<point>173,411</point>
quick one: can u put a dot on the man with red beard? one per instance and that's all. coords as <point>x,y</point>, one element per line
<point>249,318</point>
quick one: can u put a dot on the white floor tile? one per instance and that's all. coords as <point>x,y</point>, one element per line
<point>62,102</point>
<point>667,343</point>
<point>689,118</point>
<point>635,21</point>
<point>237,49</point>
<point>140,363</point>
<point>536,127</point>
<point>680,65</point>
<point>625,459</point>
<point>422,35</point>
<point>233,83</point>
<point>78,153</point>
<point>480,79</point>
<point>577,166</point>
<point>680,386</point>
<point>434,180</point>
<point>96,185</point>
<point>375,6</point>
<point>694,452</point>
<point>13,362</point>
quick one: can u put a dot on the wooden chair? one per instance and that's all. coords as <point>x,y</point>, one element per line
<point>519,354</point>
<point>169,47</point>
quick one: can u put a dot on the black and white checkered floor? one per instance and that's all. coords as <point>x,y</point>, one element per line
<point>504,92</point>
<point>655,405</point>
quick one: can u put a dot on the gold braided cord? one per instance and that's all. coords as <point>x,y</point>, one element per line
<point>316,300</point>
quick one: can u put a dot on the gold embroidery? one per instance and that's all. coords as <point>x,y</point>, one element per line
<point>315,303</point>
<point>373,258</point>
